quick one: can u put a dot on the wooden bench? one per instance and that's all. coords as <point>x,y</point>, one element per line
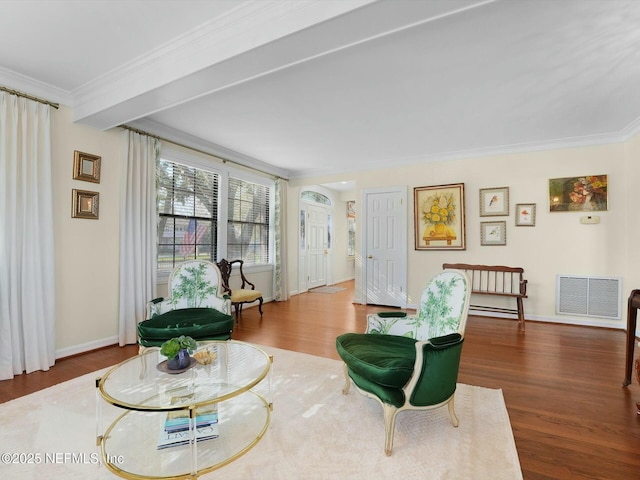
<point>496,280</point>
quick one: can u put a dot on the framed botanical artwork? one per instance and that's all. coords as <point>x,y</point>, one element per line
<point>493,233</point>
<point>85,204</point>
<point>494,202</point>
<point>86,167</point>
<point>525,214</point>
<point>439,219</point>
<point>578,194</point>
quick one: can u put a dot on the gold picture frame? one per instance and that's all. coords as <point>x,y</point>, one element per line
<point>86,167</point>
<point>525,214</point>
<point>439,217</point>
<point>588,193</point>
<point>494,202</point>
<point>493,233</point>
<point>85,204</point>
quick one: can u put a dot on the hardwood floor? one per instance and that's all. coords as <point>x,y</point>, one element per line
<point>562,384</point>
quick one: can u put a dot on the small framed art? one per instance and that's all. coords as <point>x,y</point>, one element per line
<point>86,167</point>
<point>494,201</point>
<point>493,233</point>
<point>525,214</point>
<point>85,204</point>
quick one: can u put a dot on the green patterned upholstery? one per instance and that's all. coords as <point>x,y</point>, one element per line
<point>411,362</point>
<point>442,310</point>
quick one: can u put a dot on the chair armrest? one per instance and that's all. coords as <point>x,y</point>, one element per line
<point>445,341</point>
<point>435,370</point>
<point>157,306</point>
<point>246,282</point>
<point>523,287</point>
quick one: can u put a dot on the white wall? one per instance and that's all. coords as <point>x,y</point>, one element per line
<point>86,251</point>
<point>558,244</point>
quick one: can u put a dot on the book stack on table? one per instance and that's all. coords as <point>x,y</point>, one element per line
<point>176,427</point>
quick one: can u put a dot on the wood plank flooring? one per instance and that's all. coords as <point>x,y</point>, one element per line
<point>562,384</point>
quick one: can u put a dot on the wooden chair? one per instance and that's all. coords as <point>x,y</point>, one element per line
<point>247,292</point>
<point>633,304</point>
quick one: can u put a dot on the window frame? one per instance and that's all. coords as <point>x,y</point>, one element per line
<point>209,164</point>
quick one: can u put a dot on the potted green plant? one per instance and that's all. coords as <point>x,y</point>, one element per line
<point>178,351</point>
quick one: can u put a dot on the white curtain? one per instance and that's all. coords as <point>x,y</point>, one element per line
<point>138,227</point>
<point>27,279</point>
<point>281,285</point>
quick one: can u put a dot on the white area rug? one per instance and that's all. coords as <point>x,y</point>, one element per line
<point>315,433</point>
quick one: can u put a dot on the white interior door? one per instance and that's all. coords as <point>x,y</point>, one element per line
<point>385,247</point>
<point>317,222</point>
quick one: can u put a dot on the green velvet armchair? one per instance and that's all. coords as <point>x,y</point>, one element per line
<point>197,307</point>
<point>410,362</point>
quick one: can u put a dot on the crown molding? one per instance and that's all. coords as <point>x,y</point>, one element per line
<point>179,138</point>
<point>520,148</point>
<point>630,130</point>
<point>17,81</point>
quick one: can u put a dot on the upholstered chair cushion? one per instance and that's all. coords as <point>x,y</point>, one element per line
<point>383,365</point>
<point>198,323</point>
<point>243,295</point>
<point>386,360</point>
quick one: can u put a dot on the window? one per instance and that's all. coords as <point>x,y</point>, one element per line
<point>248,222</point>
<point>315,197</point>
<point>187,200</point>
<point>208,211</point>
<point>351,228</point>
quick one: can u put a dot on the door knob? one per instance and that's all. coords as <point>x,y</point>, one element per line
<point>369,256</point>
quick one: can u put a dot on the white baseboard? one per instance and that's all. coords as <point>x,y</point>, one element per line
<point>581,321</point>
<point>343,280</point>
<point>568,320</point>
<point>86,347</point>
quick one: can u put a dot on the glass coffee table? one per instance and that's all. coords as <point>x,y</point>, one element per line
<point>226,402</point>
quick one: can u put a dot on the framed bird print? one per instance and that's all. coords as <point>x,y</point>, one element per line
<point>525,214</point>
<point>494,202</point>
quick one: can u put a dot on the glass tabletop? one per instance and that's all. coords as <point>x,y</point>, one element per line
<point>140,383</point>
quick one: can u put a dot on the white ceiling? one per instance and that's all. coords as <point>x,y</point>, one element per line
<point>311,87</point>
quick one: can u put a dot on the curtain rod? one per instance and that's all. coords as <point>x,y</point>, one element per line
<point>224,160</point>
<point>30,97</point>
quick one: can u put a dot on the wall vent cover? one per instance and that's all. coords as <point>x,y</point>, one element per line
<point>589,296</point>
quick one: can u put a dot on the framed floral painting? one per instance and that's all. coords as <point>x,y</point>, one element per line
<point>439,217</point>
<point>578,194</point>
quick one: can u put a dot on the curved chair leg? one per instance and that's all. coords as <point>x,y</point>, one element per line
<point>390,413</point>
<point>237,306</point>
<point>347,379</point>
<point>260,306</point>
<point>452,413</point>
